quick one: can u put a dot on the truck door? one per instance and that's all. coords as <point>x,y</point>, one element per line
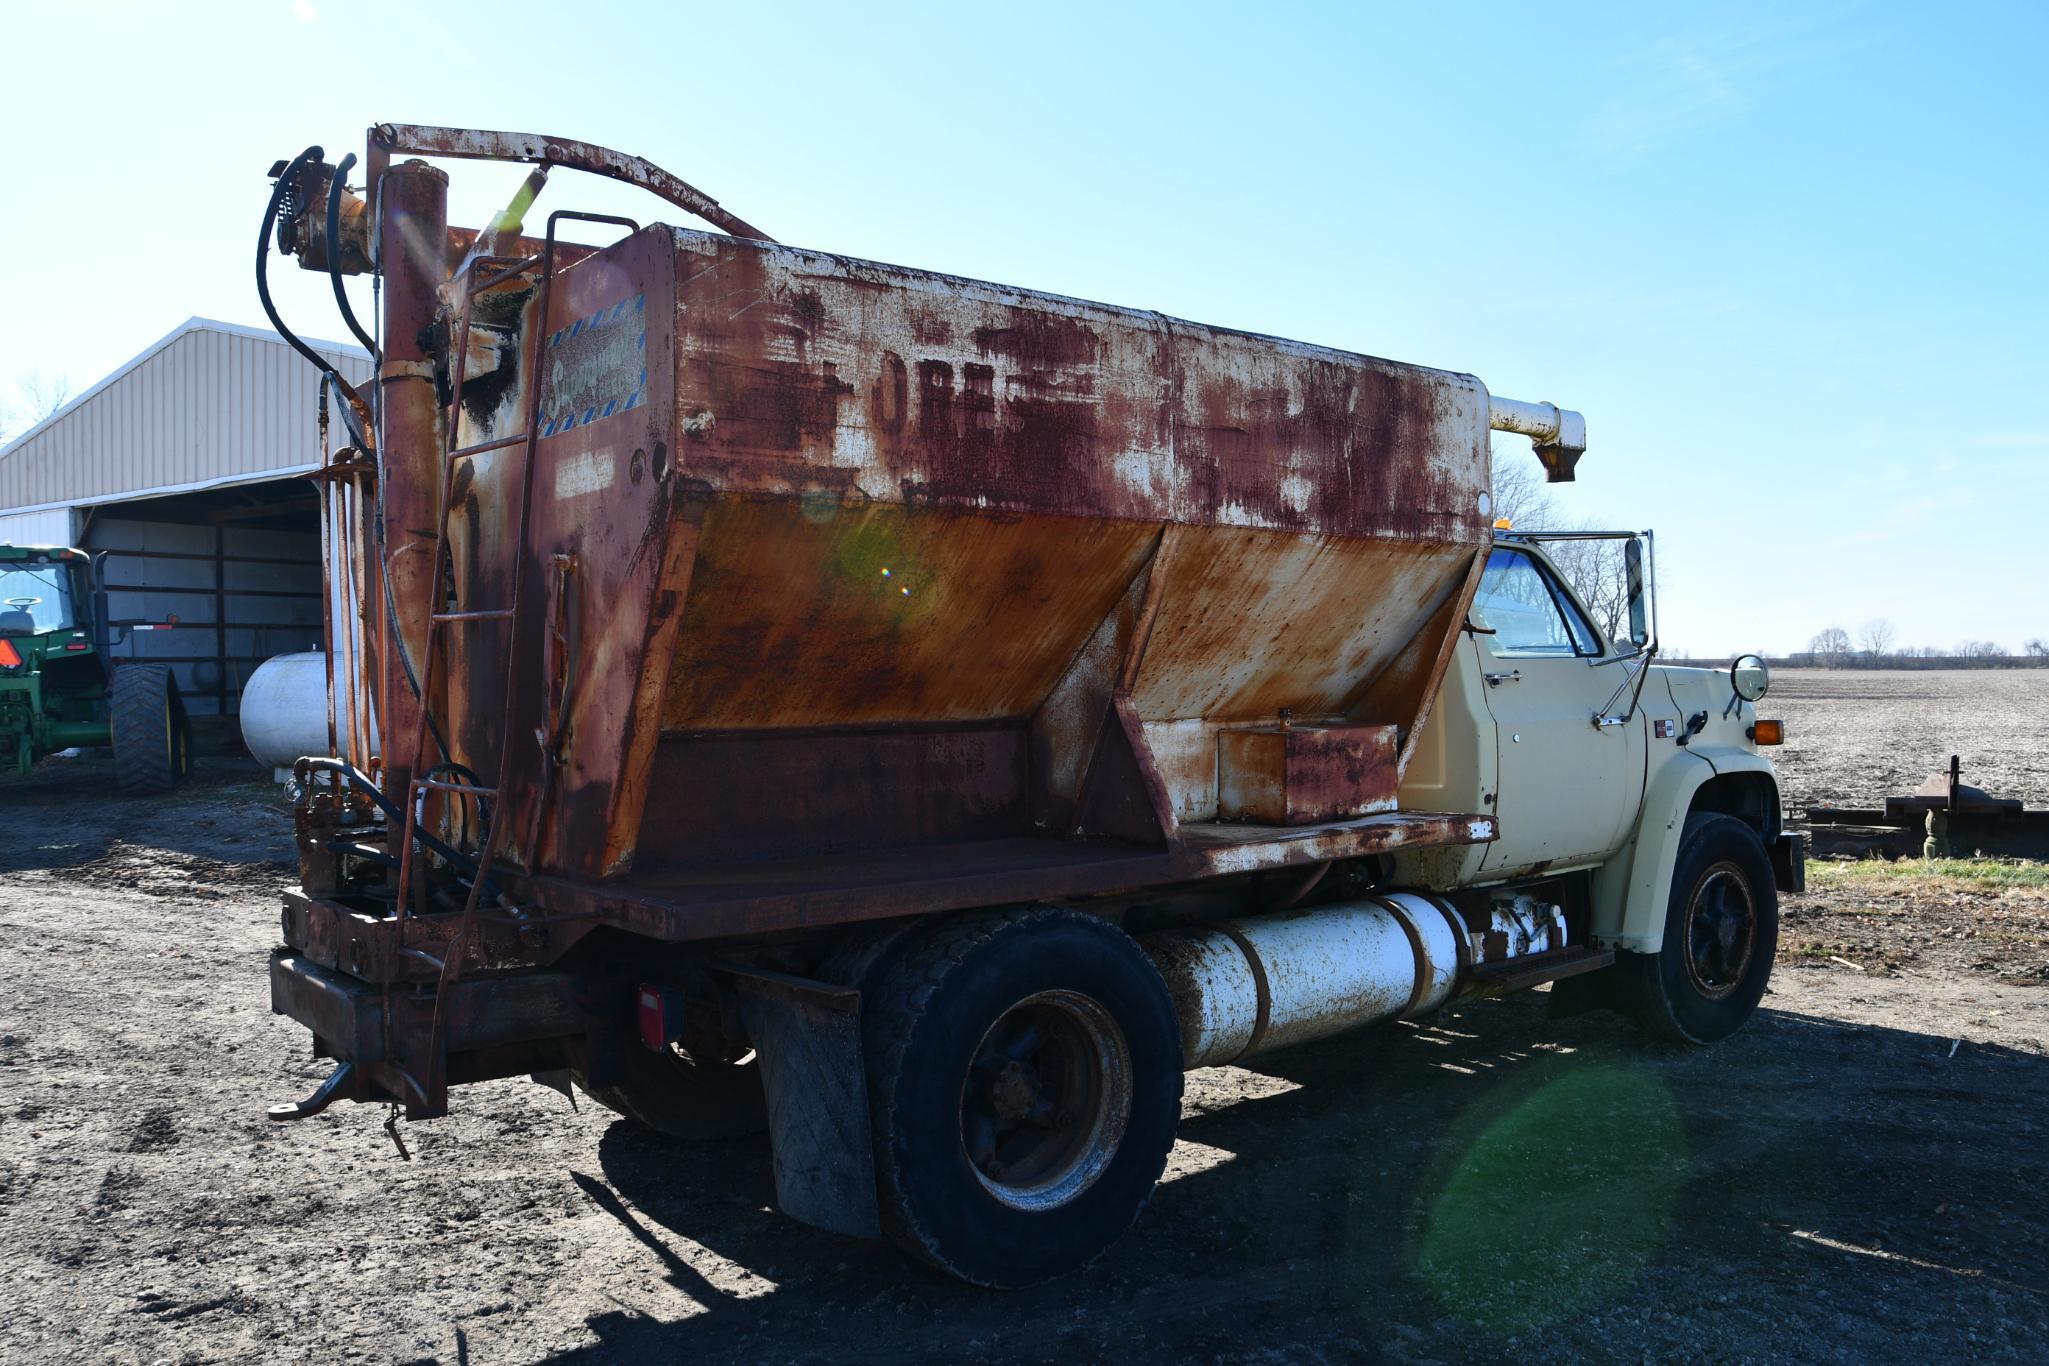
<point>1569,790</point>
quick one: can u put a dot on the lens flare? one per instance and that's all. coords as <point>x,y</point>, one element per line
<point>1557,1204</point>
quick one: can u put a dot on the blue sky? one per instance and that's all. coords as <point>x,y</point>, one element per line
<point>1788,260</point>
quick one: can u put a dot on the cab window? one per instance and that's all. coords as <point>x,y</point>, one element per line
<point>1527,611</point>
<point>34,597</point>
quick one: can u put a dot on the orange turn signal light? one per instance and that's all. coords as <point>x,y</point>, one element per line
<point>1768,732</point>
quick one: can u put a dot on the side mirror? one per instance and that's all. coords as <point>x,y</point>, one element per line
<point>1750,677</point>
<point>1639,608</point>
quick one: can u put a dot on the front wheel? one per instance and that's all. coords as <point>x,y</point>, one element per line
<point>1721,933</point>
<point>1024,1083</point>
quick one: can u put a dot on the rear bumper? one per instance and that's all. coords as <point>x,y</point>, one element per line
<point>492,1025</point>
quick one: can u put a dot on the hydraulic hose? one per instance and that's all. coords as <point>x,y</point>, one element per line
<point>277,194</point>
<point>393,813</point>
<point>341,298</point>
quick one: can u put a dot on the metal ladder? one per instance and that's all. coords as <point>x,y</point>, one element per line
<point>496,270</point>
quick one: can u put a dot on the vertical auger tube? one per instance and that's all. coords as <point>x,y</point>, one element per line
<point>412,236</point>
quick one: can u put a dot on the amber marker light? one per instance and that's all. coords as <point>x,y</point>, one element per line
<point>1768,732</point>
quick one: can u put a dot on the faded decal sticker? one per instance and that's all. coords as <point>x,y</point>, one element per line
<point>585,473</point>
<point>597,366</point>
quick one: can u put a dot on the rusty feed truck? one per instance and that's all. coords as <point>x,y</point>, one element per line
<point>920,718</point>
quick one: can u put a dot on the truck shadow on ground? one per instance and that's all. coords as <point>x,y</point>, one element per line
<point>1438,1189</point>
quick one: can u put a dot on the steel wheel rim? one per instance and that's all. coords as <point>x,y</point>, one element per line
<point>1721,931</point>
<point>1046,1100</point>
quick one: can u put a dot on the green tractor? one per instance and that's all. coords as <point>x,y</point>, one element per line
<point>59,686</point>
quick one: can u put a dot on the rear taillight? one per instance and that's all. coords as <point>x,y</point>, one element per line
<point>661,1015</point>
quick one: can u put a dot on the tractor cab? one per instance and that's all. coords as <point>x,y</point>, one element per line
<point>59,687</point>
<point>44,605</point>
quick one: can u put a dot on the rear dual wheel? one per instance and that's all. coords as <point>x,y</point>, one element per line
<point>695,1099</point>
<point>1024,1086</point>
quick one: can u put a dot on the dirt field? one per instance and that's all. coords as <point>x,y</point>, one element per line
<point>1862,1174</point>
<point>1854,736</point>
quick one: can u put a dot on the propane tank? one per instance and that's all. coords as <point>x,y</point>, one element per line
<point>284,710</point>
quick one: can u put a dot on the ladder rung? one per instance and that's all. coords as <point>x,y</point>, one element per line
<point>493,614</point>
<point>480,448</point>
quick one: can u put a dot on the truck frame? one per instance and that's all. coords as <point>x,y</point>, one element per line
<point>921,718</point>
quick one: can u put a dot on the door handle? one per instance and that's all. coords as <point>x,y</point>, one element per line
<point>1496,680</point>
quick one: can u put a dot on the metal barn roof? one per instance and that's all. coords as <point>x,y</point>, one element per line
<point>209,404</point>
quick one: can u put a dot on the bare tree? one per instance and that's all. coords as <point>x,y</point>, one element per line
<point>1979,649</point>
<point>2037,647</point>
<point>1877,636</point>
<point>1594,571</point>
<point>1830,647</point>
<point>36,397</point>
<point>1519,496</point>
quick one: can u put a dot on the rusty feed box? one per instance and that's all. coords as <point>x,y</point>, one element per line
<point>1295,775</point>
<point>858,557</point>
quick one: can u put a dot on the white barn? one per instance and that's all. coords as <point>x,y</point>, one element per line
<point>187,466</point>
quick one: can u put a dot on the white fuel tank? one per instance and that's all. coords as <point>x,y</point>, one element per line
<point>284,710</point>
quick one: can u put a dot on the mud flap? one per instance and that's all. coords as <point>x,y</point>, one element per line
<point>1789,861</point>
<point>807,1036</point>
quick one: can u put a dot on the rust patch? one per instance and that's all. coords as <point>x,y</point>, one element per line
<point>821,611</point>
<point>1298,775</point>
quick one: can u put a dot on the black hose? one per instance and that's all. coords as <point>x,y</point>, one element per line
<point>393,813</point>
<point>334,273</point>
<point>277,194</point>
<point>464,773</point>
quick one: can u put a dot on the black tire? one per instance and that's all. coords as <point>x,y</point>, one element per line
<point>152,737</point>
<point>672,1095</point>
<point>1721,933</point>
<point>1045,1041</point>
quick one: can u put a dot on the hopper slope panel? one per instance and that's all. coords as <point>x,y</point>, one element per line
<point>824,612</point>
<point>1251,621</point>
<point>802,371</point>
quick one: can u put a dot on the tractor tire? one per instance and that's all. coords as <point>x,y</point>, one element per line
<point>1721,934</point>
<point>152,737</point>
<point>672,1095</point>
<point>1024,1075</point>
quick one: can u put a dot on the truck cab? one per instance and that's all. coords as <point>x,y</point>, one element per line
<point>1600,762</point>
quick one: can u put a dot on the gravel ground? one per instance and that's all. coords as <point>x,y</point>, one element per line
<point>1859,1175</point>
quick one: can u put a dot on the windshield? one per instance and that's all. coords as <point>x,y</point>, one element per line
<point>34,598</point>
